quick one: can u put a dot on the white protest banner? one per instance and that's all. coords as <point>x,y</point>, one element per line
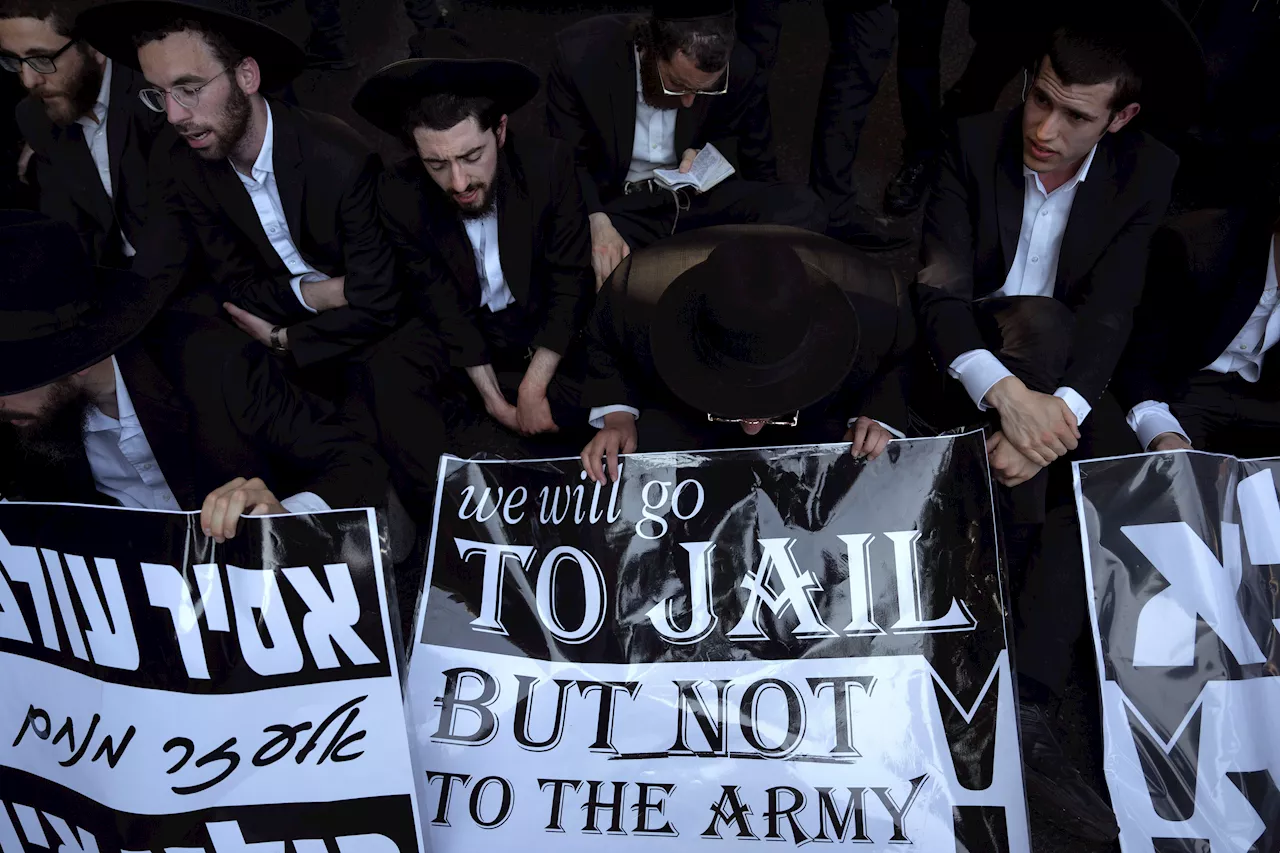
<point>1181,560</point>
<point>784,644</point>
<point>163,692</point>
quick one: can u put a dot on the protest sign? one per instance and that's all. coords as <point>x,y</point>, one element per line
<point>1181,555</point>
<point>783,644</point>
<point>163,692</point>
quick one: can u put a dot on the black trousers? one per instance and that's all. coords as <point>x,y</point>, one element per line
<point>862,38</point>
<point>1222,413</point>
<point>648,213</point>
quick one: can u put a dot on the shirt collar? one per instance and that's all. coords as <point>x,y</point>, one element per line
<point>1077,178</point>
<point>639,82</point>
<point>263,166</point>
<point>103,102</point>
<point>128,423</point>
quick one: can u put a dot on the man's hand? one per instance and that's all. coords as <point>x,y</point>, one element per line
<point>869,438</point>
<point>327,294</point>
<point>533,412</point>
<point>254,326</point>
<point>224,506</point>
<point>607,247</point>
<point>503,412</point>
<point>687,158</point>
<point>1008,464</point>
<point>24,161</point>
<point>1041,426</point>
<point>1169,441</point>
<point>617,436</point>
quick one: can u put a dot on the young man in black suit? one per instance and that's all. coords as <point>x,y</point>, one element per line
<point>1034,250</point>
<point>90,135</point>
<point>492,236</point>
<point>1202,368</point>
<point>104,407</point>
<point>634,94</point>
<point>280,200</point>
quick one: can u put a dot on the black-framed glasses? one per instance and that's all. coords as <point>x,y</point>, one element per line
<point>184,96</point>
<point>794,420</point>
<point>666,90</point>
<point>38,64</point>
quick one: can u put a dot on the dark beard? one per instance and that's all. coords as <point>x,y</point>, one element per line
<point>491,191</point>
<point>83,93</point>
<point>58,436</point>
<point>231,125</point>
<point>651,84</point>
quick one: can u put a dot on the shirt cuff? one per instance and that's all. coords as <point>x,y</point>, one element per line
<point>296,283</point>
<point>304,502</point>
<point>896,433</point>
<point>1077,404</point>
<point>1150,419</point>
<point>978,370</point>
<point>596,416</point>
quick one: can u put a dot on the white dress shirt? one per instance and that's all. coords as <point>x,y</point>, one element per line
<point>125,468</point>
<point>483,234</point>
<point>94,129</point>
<point>1034,273</point>
<point>655,143</point>
<point>1151,418</point>
<point>260,183</point>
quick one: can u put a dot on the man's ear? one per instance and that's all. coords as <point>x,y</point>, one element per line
<point>501,131</point>
<point>1123,117</point>
<point>249,75</point>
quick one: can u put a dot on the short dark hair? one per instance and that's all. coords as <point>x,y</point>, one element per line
<point>1082,57</point>
<point>61,14</point>
<point>707,41</point>
<point>219,45</point>
<point>444,110</point>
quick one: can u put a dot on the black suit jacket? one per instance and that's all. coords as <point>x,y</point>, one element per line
<point>327,178</point>
<point>591,105</point>
<point>1208,269</point>
<point>971,229</point>
<point>69,188</point>
<point>621,369</point>
<point>220,409</point>
<point>543,240</point>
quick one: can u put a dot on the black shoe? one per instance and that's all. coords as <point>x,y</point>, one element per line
<point>871,233</point>
<point>907,190</point>
<point>1054,787</point>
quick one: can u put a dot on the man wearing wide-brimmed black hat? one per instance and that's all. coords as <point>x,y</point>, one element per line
<point>1034,251</point>
<point>279,199</point>
<point>635,94</point>
<point>492,236</point>
<point>745,336</point>
<point>99,406</point>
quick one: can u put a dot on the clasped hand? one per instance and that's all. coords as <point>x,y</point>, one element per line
<point>1041,426</point>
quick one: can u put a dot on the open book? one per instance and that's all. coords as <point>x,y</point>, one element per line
<point>709,168</point>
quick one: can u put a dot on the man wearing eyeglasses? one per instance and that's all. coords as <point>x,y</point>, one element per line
<point>745,336</point>
<point>278,200</point>
<point>632,95</point>
<point>89,135</point>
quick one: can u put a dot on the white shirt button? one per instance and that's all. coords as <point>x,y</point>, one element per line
<point>146,466</point>
<point>167,498</point>
<point>1044,213</point>
<point>1242,346</point>
<point>1035,259</point>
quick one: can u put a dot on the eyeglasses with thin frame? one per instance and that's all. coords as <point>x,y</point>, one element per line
<point>794,420</point>
<point>724,86</point>
<point>38,64</point>
<point>187,97</point>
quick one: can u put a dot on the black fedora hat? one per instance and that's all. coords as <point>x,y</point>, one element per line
<point>753,332</point>
<point>59,313</point>
<point>443,63</point>
<point>111,28</point>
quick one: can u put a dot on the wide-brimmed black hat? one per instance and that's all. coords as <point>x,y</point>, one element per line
<point>443,63</point>
<point>111,27</point>
<point>753,332</point>
<point>59,313</point>
<point>691,10</point>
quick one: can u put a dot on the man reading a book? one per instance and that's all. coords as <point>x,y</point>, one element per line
<point>633,96</point>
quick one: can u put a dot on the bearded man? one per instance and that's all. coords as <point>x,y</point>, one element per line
<point>279,199</point>
<point>492,235</point>
<point>90,135</point>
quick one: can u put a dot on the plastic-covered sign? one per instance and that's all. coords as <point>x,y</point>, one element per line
<point>1182,551</point>
<point>776,644</point>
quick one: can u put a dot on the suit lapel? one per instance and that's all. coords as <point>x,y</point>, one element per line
<point>1248,274</point>
<point>118,125</point>
<point>165,423</point>
<point>288,165</point>
<point>444,228</point>
<point>233,198</point>
<point>79,163</point>
<point>689,121</point>
<point>622,97</point>
<point>1011,188</point>
<point>515,236</point>
<point>1090,215</point>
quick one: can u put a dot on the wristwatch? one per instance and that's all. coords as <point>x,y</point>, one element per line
<point>277,345</point>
